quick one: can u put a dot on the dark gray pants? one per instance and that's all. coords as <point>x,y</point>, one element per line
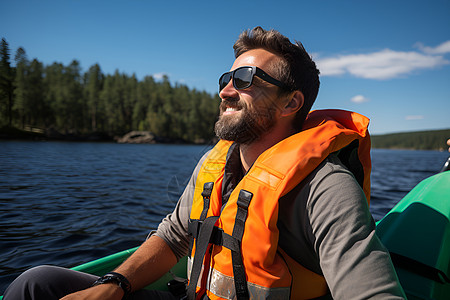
<point>49,282</point>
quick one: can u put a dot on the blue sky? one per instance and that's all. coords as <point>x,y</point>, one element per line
<point>389,60</point>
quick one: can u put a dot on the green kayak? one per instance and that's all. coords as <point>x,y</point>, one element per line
<point>416,232</point>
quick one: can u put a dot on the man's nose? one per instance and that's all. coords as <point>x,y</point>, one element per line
<point>229,92</point>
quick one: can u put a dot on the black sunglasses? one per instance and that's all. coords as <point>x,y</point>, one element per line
<point>243,78</point>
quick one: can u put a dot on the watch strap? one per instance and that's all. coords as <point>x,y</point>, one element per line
<point>117,278</point>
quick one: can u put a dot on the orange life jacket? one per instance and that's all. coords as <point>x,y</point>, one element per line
<point>235,252</point>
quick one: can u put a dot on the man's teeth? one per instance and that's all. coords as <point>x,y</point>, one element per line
<point>231,109</point>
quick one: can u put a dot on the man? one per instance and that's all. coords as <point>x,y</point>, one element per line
<point>278,209</point>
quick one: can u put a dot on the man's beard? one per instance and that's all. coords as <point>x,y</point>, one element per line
<point>248,126</point>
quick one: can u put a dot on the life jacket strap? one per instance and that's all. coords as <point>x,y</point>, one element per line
<point>218,237</point>
<point>195,225</point>
<point>206,194</point>
<point>240,279</point>
<point>200,251</point>
<point>204,233</point>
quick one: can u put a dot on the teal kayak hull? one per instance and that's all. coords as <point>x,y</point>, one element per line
<point>416,232</point>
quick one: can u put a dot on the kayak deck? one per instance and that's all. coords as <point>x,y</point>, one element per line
<point>417,233</point>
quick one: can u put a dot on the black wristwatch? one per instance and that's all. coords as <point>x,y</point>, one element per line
<point>116,278</point>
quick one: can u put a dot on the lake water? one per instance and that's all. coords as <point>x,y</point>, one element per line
<point>66,203</point>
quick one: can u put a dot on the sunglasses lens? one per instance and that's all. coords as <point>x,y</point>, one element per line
<point>242,78</point>
<point>223,80</point>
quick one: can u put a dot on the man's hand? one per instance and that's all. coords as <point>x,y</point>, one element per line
<point>105,291</point>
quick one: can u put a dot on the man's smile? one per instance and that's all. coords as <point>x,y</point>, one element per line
<point>231,110</point>
<point>230,107</point>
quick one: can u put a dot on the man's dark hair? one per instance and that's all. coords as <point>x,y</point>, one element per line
<point>295,68</point>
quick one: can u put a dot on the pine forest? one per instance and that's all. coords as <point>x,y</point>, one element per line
<point>59,98</point>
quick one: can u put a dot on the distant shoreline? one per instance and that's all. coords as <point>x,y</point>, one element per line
<point>12,133</point>
<point>421,140</point>
<point>418,140</point>
<point>133,137</point>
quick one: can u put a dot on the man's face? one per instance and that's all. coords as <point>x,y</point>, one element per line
<point>246,115</point>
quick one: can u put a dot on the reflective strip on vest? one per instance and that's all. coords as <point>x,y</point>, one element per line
<point>222,286</point>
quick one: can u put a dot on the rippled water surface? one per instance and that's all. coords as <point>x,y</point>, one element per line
<point>69,203</point>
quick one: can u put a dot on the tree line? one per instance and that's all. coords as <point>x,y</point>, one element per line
<point>420,140</point>
<point>64,99</point>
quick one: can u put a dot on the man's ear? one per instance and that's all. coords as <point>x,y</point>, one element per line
<point>293,105</point>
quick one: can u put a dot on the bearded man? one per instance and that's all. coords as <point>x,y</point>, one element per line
<point>278,209</point>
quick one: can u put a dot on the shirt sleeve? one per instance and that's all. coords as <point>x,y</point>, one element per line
<point>173,229</point>
<point>353,260</point>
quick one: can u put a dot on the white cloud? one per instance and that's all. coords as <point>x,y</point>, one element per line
<point>359,99</point>
<point>159,76</point>
<point>414,117</point>
<point>441,49</point>
<point>384,64</point>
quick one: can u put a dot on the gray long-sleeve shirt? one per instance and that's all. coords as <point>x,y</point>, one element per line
<point>324,224</point>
